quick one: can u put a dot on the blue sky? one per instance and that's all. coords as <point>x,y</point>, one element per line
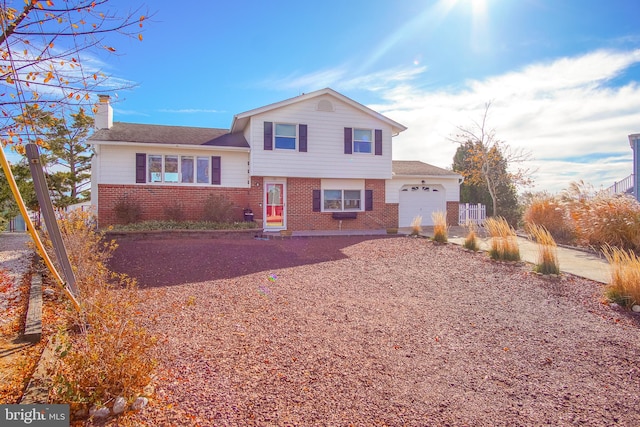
<point>562,75</point>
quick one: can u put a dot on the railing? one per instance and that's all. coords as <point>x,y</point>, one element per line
<point>472,213</point>
<point>621,186</point>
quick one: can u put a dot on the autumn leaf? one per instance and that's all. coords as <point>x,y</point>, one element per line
<point>110,49</point>
<point>9,80</point>
<point>140,37</point>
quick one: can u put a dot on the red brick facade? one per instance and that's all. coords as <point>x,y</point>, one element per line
<point>154,199</point>
<point>453,213</point>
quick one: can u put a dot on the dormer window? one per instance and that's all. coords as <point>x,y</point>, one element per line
<point>285,136</point>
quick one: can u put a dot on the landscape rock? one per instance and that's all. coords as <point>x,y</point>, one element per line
<point>49,292</point>
<point>636,308</point>
<point>139,403</point>
<point>99,412</point>
<point>119,405</point>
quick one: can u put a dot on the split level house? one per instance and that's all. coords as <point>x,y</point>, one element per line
<point>318,161</point>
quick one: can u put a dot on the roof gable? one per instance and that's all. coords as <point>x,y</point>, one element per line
<point>241,120</point>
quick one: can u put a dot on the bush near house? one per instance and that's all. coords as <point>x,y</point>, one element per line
<point>102,351</point>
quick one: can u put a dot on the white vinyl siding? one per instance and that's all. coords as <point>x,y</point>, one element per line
<point>117,164</point>
<point>325,156</point>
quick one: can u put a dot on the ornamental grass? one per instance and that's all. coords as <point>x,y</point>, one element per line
<point>440,228</point>
<point>504,242</point>
<point>624,287</point>
<point>416,225</point>
<point>471,240</point>
<point>547,250</point>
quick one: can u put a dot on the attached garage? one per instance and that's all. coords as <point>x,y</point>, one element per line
<point>422,200</point>
<point>420,189</point>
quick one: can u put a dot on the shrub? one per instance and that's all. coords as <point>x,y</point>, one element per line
<point>471,241</point>
<point>185,225</point>
<point>217,209</point>
<point>102,350</point>
<point>550,213</point>
<point>504,243</point>
<point>175,211</point>
<point>416,225</point>
<point>127,210</point>
<point>624,288</point>
<point>547,250</point>
<point>440,228</point>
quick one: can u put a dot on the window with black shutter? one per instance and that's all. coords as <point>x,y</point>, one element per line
<point>368,200</point>
<point>302,133</point>
<point>216,175</point>
<point>316,200</point>
<point>268,135</point>
<point>141,168</point>
<point>348,141</point>
<point>378,142</point>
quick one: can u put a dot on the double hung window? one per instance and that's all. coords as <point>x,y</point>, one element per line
<point>285,136</point>
<point>362,140</point>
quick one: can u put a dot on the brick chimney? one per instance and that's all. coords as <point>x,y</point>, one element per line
<point>104,116</point>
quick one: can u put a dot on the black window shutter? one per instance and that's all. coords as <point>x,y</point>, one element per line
<point>368,200</point>
<point>141,167</point>
<point>302,133</point>
<point>316,200</point>
<point>268,135</point>
<point>378,142</point>
<point>216,170</point>
<point>348,141</point>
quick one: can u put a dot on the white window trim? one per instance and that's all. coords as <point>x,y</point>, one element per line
<point>342,200</point>
<point>295,138</point>
<point>371,143</point>
<point>195,182</point>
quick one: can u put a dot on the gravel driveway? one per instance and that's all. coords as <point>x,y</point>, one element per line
<point>386,331</point>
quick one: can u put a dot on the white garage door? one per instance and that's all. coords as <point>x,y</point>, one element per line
<point>420,200</point>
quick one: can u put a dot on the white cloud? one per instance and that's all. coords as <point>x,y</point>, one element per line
<point>565,112</point>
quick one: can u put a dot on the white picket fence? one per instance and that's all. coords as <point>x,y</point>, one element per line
<point>475,213</point>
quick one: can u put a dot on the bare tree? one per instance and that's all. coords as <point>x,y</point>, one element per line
<point>44,50</point>
<point>490,161</point>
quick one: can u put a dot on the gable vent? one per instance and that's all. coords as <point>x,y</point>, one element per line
<point>325,105</point>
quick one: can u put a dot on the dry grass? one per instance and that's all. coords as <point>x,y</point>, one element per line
<point>471,240</point>
<point>416,225</point>
<point>102,353</point>
<point>440,228</point>
<point>624,288</point>
<point>504,243</point>
<point>547,250</point>
<point>550,213</point>
<point>608,220</point>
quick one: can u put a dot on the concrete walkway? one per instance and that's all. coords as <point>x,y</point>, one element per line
<point>574,261</point>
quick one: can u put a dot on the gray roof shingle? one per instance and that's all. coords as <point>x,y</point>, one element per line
<point>417,168</point>
<point>160,134</point>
